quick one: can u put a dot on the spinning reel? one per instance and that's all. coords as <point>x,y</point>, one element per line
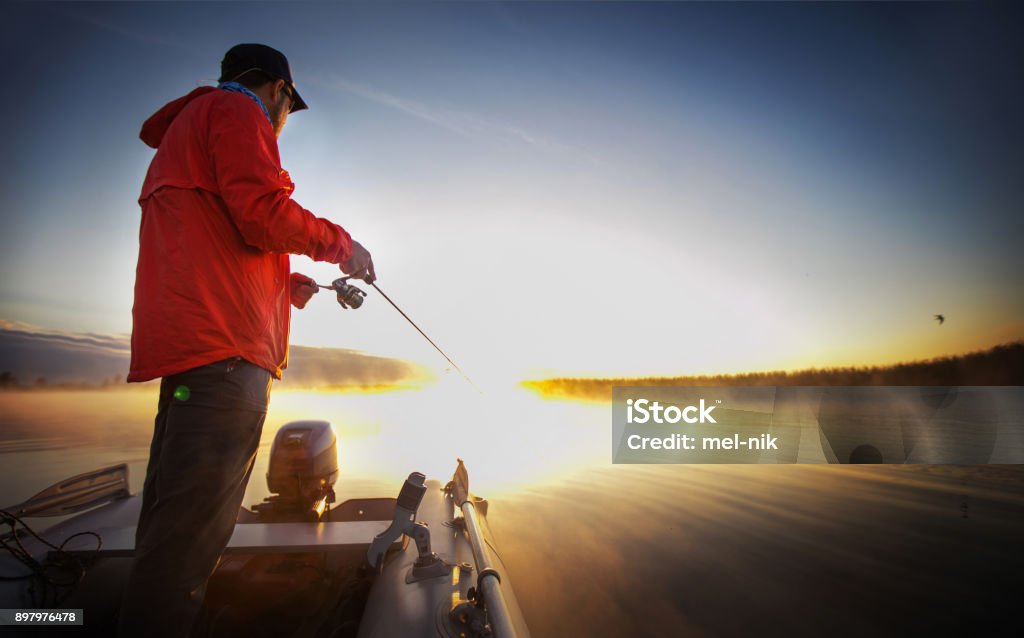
<point>349,296</point>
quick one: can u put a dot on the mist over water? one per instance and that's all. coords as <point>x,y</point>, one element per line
<point>595,549</point>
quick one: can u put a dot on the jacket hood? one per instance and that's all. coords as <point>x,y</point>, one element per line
<point>154,128</point>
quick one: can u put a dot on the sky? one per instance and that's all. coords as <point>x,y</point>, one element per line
<point>584,188</point>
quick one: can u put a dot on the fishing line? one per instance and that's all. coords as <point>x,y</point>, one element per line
<point>351,297</point>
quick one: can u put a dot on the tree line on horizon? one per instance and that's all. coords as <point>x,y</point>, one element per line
<point>1000,365</point>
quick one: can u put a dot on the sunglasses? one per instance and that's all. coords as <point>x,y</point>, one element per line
<point>290,92</point>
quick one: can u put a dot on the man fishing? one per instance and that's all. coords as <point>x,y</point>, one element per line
<point>213,291</point>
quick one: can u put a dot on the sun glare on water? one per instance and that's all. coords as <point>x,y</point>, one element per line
<point>506,436</point>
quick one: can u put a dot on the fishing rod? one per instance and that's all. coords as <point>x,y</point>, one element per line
<point>351,297</point>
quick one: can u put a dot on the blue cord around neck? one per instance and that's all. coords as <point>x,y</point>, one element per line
<point>238,88</point>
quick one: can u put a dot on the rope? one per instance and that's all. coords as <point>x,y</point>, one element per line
<point>44,576</point>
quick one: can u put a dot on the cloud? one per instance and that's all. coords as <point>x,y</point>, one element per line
<point>105,344</point>
<point>340,368</point>
<point>454,121</point>
<point>29,352</point>
<point>463,123</point>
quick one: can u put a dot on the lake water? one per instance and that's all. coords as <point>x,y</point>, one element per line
<point>595,549</point>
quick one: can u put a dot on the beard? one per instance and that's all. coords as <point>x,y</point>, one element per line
<point>278,114</point>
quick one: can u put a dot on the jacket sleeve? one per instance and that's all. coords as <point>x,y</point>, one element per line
<point>258,192</point>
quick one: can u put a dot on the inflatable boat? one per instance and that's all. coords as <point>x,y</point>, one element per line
<point>421,564</point>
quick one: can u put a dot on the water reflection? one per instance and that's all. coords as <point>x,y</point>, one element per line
<point>600,550</point>
<point>810,550</point>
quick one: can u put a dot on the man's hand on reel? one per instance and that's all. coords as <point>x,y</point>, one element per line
<point>359,265</point>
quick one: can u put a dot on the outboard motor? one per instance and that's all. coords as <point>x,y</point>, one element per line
<point>302,472</point>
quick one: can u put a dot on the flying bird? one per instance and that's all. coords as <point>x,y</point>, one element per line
<point>941,319</point>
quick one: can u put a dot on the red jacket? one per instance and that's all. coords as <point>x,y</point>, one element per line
<point>218,223</point>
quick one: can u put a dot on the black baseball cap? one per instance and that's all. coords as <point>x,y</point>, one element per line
<point>243,58</point>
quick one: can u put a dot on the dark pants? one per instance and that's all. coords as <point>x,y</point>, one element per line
<point>208,427</point>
